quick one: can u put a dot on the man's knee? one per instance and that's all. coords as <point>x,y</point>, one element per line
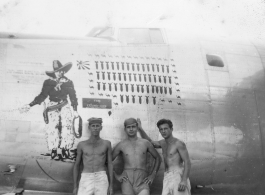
<point>127,190</point>
<point>144,192</point>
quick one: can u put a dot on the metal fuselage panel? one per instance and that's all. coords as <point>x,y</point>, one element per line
<point>217,111</point>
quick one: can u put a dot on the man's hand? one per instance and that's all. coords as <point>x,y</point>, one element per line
<point>183,185</point>
<point>24,108</point>
<point>110,191</point>
<point>75,191</point>
<point>121,178</point>
<point>76,114</point>
<point>139,123</point>
<point>149,179</point>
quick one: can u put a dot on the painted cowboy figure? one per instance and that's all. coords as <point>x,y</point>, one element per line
<point>58,114</point>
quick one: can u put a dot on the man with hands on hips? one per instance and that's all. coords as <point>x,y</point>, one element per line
<point>135,179</point>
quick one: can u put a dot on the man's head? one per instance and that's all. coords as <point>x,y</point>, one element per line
<point>58,69</point>
<point>131,127</point>
<point>165,127</point>
<point>59,74</point>
<point>95,125</point>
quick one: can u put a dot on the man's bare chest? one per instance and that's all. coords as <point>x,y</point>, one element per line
<point>94,149</point>
<point>134,149</point>
<point>170,151</point>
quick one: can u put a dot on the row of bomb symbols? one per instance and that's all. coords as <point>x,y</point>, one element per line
<point>126,66</point>
<point>137,99</point>
<point>134,88</point>
<point>114,86</point>
<point>133,77</point>
<point>84,65</point>
<point>141,99</point>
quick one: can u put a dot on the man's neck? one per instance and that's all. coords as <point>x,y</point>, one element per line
<point>134,138</point>
<point>94,138</point>
<point>169,140</point>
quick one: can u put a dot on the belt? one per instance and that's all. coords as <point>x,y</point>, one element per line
<point>51,108</point>
<point>135,169</point>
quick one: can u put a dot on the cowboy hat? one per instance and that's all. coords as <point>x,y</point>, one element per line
<point>57,66</point>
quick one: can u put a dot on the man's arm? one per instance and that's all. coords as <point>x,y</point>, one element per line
<point>187,165</point>
<point>77,168</point>
<point>38,99</point>
<point>116,151</point>
<point>143,134</point>
<point>157,157</point>
<point>110,168</point>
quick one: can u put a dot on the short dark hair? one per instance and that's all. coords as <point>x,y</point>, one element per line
<point>165,121</point>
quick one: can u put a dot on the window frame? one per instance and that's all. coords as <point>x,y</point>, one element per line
<point>161,31</point>
<point>220,54</point>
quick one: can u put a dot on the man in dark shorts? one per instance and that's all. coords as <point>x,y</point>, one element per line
<point>176,159</point>
<point>135,179</point>
<point>94,153</point>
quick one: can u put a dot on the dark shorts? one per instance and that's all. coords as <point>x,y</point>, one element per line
<point>135,183</point>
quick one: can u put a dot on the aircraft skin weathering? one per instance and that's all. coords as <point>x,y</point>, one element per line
<point>211,89</point>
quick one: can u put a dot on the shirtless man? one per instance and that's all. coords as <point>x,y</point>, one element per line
<point>94,153</point>
<point>134,152</point>
<point>176,177</point>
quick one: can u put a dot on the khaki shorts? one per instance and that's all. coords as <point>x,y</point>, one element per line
<point>93,183</point>
<point>171,182</point>
<point>135,183</point>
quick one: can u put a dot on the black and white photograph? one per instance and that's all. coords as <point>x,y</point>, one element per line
<point>119,97</point>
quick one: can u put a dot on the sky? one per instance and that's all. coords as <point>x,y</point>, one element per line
<point>78,17</point>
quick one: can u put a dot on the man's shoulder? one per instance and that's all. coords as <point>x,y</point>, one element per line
<point>106,142</point>
<point>82,143</point>
<point>126,141</point>
<point>123,143</point>
<point>145,141</point>
<point>162,141</point>
<point>176,142</point>
<point>179,143</point>
<point>66,81</point>
<point>49,81</point>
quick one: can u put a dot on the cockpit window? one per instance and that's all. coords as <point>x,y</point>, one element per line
<point>214,60</point>
<point>101,32</point>
<point>141,36</point>
<point>134,36</point>
<point>156,36</point>
<point>108,32</point>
